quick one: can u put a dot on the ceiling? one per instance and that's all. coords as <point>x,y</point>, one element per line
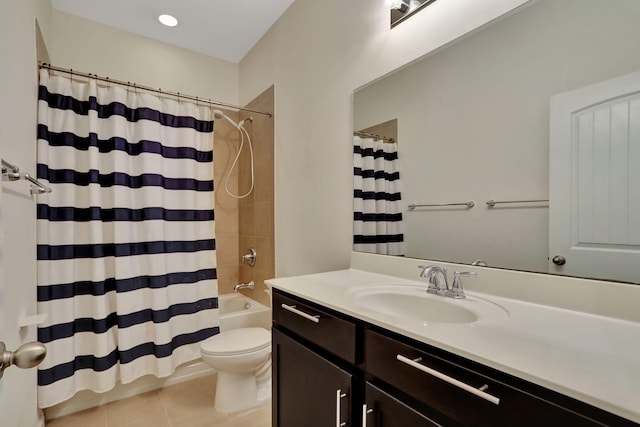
<point>225,29</point>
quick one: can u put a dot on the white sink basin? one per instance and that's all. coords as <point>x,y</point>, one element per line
<point>414,303</point>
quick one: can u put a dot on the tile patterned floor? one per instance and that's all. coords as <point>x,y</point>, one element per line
<point>188,404</point>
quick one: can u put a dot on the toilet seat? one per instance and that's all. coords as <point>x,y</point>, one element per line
<point>236,342</point>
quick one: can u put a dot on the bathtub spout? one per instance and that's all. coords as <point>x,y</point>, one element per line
<point>239,286</point>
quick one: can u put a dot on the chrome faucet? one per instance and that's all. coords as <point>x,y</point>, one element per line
<point>239,286</point>
<point>436,278</point>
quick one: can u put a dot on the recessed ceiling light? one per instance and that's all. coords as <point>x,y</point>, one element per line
<point>168,20</point>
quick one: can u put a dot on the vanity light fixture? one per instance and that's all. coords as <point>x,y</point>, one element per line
<point>402,9</point>
<point>168,20</point>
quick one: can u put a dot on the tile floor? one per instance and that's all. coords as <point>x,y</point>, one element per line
<point>188,404</point>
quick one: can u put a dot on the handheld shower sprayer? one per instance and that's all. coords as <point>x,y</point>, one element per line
<point>220,115</point>
<point>240,126</point>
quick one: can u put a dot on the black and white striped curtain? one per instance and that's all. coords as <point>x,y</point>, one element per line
<point>126,240</point>
<point>377,210</point>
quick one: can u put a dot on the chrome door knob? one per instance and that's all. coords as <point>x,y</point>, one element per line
<point>26,356</point>
<point>559,260</point>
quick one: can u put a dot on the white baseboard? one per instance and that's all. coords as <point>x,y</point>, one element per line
<point>88,399</point>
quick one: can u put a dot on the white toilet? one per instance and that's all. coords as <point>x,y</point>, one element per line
<point>242,358</point>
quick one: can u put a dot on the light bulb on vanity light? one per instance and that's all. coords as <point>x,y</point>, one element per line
<point>400,5</point>
<point>168,20</point>
<point>414,4</point>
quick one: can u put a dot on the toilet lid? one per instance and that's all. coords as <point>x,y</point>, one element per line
<point>237,341</point>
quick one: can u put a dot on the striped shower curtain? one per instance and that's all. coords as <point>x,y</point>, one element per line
<point>377,210</point>
<point>126,241</point>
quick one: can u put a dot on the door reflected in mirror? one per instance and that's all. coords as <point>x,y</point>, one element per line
<point>474,125</point>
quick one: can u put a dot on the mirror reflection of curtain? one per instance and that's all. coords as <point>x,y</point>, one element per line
<point>377,217</point>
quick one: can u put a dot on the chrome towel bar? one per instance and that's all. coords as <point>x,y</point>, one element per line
<point>492,203</point>
<point>468,204</point>
<point>12,173</point>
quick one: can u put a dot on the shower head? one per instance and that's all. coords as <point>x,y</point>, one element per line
<point>220,115</point>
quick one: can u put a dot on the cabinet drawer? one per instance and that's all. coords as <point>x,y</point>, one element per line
<point>459,393</point>
<point>306,320</point>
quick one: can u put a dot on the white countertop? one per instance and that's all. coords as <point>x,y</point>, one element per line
<point>592,358</point>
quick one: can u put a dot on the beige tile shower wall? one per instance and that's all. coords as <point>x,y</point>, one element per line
<point>225,144</point>
<point>256,218</point>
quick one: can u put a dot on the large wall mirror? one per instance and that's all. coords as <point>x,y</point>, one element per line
<point>540,111</point>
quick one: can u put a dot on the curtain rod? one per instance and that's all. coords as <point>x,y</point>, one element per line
<point>374,136</point>
<point>150,89</point>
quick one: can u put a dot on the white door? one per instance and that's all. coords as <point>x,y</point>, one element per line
<point>18,94</point>
<point>594,208</point>
<point>18,404</point>
<point>9,415</point>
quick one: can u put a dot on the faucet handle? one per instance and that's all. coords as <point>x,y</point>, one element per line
<point>250,257</point>
<point>456,290</point>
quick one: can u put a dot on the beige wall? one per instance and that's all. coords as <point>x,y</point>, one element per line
<point>316,55</point>
<point>87,46</point>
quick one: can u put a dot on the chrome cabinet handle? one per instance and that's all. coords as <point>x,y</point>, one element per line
<point>365,412</point>
<point>466,387</point>
<point>339,396</point>
<point>293,309</point>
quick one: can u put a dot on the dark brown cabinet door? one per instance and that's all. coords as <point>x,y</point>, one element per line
<point>384,410</point>
<point>308,390</point>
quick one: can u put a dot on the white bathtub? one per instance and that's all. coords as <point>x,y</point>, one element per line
<point>237,311</point>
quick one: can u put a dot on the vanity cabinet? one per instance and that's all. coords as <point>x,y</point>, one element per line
<point>330,369</point>
<point>313,355</point>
